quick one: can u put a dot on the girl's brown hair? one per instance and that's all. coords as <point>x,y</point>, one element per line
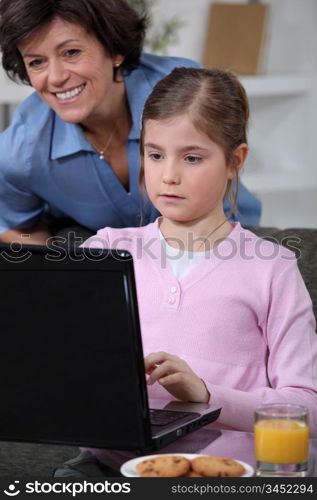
<point>217,104</point>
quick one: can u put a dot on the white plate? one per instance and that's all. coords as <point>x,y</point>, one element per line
<point>128,469</point>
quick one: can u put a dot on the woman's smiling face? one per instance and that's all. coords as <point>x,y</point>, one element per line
<point>70,70</point>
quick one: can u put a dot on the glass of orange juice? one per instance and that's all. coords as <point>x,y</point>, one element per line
<point>281,435</point>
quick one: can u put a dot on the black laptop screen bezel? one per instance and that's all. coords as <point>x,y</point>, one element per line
<point>33,259</point>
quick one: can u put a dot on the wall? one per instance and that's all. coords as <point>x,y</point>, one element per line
<point>292,31</point>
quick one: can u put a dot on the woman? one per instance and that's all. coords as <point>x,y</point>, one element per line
<point>72,148</point>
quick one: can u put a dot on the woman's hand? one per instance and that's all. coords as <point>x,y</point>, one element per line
<point>174,374</point>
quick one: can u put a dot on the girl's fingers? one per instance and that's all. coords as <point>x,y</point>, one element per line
<point>173,378</point>
<point>162,370</point>
<point>156,358</point>
<point>176,376</point>
<point>166,369</point>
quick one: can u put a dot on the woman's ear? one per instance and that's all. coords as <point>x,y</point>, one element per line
<point>117,60</point>
<point>238,159</point>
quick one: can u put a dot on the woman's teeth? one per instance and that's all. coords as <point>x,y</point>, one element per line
<point>70,94</point>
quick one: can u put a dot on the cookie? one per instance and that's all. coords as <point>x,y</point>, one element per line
<point>217,467</point>
<point>163,466</point>
<point>192,473</point>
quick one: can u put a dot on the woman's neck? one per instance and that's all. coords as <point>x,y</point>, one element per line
<point>115,115</point>
<point>195,236</point>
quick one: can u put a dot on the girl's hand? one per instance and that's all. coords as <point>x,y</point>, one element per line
<point>174,374</point>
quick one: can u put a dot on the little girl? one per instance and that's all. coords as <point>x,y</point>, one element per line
<point>225,315</point>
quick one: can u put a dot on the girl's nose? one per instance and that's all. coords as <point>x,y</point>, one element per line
<point>58,73</point>
<point>171,174</point>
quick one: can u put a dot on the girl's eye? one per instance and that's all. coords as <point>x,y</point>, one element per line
<point>193,159</point>
<point>155,156</point>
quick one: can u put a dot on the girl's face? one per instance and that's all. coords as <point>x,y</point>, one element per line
<point>70,70</point>
<point>185,172</point>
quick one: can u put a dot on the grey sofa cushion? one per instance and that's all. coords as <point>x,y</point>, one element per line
<point>304,243</point>
<point>23,460</point>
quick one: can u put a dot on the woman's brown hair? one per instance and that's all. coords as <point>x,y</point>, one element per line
<point>118,27</point>
<point>217,104</point>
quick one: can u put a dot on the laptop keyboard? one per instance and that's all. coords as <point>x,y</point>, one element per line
<point>166,417</point>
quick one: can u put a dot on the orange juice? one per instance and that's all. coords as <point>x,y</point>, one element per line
<point>281,441</point>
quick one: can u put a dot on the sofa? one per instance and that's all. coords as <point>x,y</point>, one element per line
<point>23,460</point>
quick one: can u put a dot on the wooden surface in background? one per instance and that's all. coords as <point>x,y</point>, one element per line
<point>236,37</point>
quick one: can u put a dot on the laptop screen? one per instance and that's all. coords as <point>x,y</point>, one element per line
<point>71,367</point>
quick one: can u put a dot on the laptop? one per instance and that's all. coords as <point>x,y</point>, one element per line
<point>71,369</point>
